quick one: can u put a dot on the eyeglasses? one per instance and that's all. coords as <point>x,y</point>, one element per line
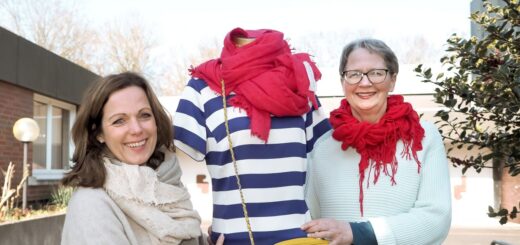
<point>374,76</point>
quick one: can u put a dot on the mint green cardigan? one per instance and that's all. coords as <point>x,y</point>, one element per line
<point>416,210</point>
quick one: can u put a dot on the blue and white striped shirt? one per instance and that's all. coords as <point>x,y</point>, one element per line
<point>272,174</point>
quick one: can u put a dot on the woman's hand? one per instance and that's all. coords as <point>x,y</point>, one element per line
<point>336,232</point>
<point>220,240</point>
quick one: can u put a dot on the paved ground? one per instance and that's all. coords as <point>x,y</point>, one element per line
<point>483,236</point>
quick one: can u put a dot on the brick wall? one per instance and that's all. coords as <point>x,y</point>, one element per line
<point>510,191</point>
<point>15,103</point>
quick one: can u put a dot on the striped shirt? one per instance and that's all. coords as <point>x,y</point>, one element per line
<point>272,174</point>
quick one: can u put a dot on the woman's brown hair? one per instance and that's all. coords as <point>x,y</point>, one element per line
<point>88,169</point>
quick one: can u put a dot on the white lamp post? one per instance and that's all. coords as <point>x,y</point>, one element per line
<point>25,130</point>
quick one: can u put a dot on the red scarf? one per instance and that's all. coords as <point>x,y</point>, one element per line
<point>376,143</point>
<point>266,78</point>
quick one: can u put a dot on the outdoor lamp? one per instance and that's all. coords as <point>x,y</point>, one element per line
<point>25,130</point>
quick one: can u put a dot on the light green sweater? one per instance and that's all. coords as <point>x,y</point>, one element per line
<point>416,210</point>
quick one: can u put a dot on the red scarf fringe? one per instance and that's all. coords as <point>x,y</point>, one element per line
<point>376,143</point>
<point>266,78</point>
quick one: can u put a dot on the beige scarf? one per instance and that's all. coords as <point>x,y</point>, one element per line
<point>156,200</point>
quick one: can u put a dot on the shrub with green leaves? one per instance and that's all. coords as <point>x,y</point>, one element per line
<point>481,93</point>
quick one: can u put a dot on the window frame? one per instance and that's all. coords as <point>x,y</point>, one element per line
<point>49,174</point>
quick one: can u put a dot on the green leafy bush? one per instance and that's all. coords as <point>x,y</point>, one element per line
<point>481,93</point>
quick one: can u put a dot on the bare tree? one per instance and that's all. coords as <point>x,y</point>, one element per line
<point>417,49</point>
<point>128,47</point>
<point>57,25</point>
<point>53,24</point>
<point>175,76</point>
<point>326,47</point>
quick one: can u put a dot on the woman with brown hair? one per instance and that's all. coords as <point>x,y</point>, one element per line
<point>127,178</point>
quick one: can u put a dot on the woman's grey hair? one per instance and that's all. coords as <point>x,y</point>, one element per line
<point>374,46</point>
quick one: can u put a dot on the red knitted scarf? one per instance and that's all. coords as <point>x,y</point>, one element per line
<point>376,143</point>
<point>266,78</point>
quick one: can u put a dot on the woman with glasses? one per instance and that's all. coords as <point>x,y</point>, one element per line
<point>381,176</point>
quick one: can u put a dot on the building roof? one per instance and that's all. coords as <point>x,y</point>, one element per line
<point>30,66</point>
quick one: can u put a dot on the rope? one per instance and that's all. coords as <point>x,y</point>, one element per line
<point>232,152</point>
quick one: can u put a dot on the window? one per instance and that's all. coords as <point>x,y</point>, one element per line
<point>53,148</point>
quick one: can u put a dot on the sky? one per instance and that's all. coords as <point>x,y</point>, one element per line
<point>293,16</point>
<point>182,25</point>
<point>320,27</point>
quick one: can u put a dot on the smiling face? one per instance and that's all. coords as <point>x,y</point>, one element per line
<point>128,126</point>
<point>367,100</point>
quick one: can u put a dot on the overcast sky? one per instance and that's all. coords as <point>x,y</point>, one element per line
<point>185,23</point>
<point>182,26</point>
<point>319,27</point>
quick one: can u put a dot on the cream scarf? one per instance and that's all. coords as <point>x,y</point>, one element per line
<point>156,200</point>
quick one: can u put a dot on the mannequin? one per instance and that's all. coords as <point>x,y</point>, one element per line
<point>241,41</point>
<point>272,128</point>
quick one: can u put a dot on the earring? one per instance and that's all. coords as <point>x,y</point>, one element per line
<point>100,139</point>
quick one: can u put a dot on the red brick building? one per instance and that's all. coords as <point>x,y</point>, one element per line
<point>39,84</point>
